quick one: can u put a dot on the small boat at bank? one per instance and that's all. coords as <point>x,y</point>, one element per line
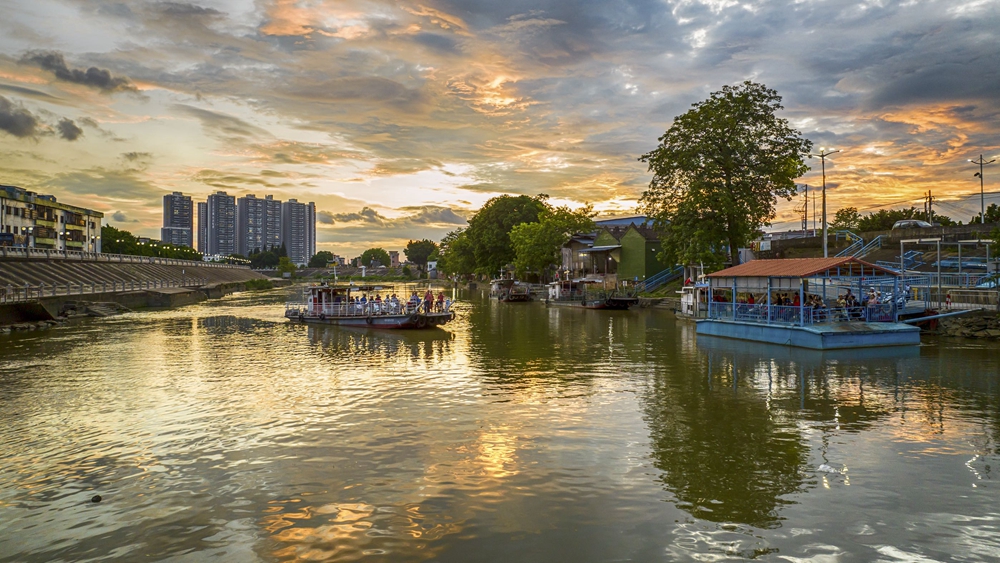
<point>342,305</point>
<point>510,290</point>
<point>586,294</point>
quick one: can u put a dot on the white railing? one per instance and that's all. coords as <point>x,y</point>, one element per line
<point>367,309</point>
<point>27,292</point>
<point>79,256</point>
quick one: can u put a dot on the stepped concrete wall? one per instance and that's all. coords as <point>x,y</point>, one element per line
<point>60,272</point>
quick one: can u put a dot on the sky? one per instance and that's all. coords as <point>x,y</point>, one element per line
<point>400,119</point>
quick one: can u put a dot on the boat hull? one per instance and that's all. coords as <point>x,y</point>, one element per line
<point>413,321</point>
<point>612,304</point>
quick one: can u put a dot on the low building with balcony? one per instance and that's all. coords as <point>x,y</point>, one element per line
<point>31,220</point>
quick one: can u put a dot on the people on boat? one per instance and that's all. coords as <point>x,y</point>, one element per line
<point>440,302</point>
<point>428,301</point>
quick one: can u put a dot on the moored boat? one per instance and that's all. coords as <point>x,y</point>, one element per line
<point>362,306</point>
<point>510,290</point>
<point>586,294</point>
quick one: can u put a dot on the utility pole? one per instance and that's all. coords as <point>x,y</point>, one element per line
<point>822,154</point>
<point>930,207</point>
<point>982,197</point>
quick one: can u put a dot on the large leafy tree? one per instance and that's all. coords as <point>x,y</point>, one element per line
<point>718,172</point>
<point>417,251</point>
<point>373,255</point>
<point>489,231</point>
<point>119,241</point>
<point>455,254</point>
<point>537,245</point>
<point>320,259</point>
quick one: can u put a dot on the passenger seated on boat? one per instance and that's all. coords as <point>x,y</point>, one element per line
<point>447,305</point>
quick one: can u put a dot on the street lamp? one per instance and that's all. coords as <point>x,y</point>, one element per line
<point>822,154</point>
<point>982,197</point>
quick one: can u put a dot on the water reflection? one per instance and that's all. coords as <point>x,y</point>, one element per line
<point>347,344</point>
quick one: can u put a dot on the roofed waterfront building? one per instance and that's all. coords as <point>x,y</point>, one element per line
<point>178,220</point>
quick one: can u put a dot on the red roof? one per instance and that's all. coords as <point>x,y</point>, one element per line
<point>794,268</point>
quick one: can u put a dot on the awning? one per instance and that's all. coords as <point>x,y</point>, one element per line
<point>600,249</point>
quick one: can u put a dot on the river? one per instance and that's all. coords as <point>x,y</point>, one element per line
<point>220,432</point>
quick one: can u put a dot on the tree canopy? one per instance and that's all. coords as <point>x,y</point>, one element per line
<point>718,172</point>
<point>321,259</point>
<point>884,219</point>
<point>537,245</point>
<point>417,251</point>
<point>846,219</point>
<point>489,230</point>
<point>992,215</point>
<point>118,241</point>
<point>374,255</point>
<point>455,254</point>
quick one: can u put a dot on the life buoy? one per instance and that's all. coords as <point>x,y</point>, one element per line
<point>369,319</point>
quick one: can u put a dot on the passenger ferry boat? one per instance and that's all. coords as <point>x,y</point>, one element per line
<point>585,293</point>
<point>510,290</point>
<point>336,305</point>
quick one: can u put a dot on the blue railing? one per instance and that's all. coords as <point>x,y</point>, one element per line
<point>850,250</point>
<point>792,315</point>
<point>664,277</point>
<point>867,249</point>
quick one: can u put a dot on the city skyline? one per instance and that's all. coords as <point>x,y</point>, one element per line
<point>400,120</point>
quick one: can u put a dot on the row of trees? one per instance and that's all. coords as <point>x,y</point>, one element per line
<point>119,241</point>
<point>523,231</point>
<point>883,219</point>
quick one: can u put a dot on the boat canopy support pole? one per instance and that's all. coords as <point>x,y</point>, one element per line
<point>768,300</point>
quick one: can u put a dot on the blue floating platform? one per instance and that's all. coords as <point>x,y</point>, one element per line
<point>833,336</point>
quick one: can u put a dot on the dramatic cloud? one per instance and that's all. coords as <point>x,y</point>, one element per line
<point>68,130</point>
<point>16,120</point>
<point>93,76</point>
<point>120,217</point>
<point>417,113</point>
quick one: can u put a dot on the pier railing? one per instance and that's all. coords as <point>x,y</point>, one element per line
<point>366,309</point>
<point>27,292</point>
<point>80,256</point>
<point>796,315</point>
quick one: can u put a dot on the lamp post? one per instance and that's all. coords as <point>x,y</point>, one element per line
<point>822,154</point>
<point>982,198</point>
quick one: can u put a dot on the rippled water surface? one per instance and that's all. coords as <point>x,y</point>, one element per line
<point>219,432</point>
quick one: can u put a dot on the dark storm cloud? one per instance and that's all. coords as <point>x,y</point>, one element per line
<point>93,77</point>
<point>436,41</point>
<point>120,217</point>
<point>366,215</point>
<point>183,10</point>
<point>30,92</point>
<point>16,120</point>
<point>103,182</point>
<point>221,123</point>
<point>69,130</point>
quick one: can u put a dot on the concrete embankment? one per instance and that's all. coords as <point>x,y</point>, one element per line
<point>57,286</point>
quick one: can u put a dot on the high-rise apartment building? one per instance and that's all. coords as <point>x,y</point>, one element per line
<point>272,223</point>
<point>258,224</point>
<point>178,220</point>
<point>298,226</point>
<point>221,215</point>
<point>203,227</point>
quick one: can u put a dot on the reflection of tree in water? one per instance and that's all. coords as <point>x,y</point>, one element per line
<point>725,455</point>
<point>380,346</point>
<point>530,339</point>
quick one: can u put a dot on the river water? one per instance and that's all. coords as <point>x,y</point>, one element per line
<point>219,432</point>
